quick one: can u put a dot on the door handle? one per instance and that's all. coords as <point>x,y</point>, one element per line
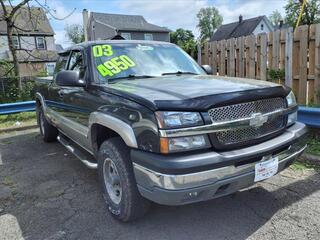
<point>61,93</point>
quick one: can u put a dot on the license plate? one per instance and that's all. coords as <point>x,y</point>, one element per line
<point>266,169</point>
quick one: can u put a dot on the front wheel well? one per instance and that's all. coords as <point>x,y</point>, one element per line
<point>99,134</point>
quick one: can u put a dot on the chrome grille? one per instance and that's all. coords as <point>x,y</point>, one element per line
<point>244,110</point>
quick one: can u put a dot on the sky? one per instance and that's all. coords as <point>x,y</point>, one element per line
<point>168,13</point>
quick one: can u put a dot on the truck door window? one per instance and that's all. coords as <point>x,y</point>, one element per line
<point>76,61</point>
<point>61,63</point>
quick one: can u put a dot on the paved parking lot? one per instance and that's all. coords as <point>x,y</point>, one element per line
<point>45,193</point>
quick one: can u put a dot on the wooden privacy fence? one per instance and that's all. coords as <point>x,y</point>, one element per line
<point>296,52</point>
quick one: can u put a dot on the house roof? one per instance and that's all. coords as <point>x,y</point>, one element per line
<point>123,22</point>
<point>58,47</point>
<point>34,22</point>
<point>237,29</point>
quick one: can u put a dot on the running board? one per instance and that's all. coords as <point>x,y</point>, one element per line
<point>83,156</point>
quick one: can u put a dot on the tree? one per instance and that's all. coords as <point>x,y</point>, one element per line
<point>184,39</point>
<point>310,15</point>
<point>209,20</point>
<point>75,33</point>
<point>9,17</point>
<point>275,17</point>
<point>10,14</point>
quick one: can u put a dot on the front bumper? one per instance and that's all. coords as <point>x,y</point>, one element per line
<point>177,180</point>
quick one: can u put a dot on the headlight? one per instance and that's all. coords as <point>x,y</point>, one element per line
<point>291,99</point>
<point>168,120</point>
<point>181,144</point>
<point>292,117</point>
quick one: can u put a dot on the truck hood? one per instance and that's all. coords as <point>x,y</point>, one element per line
<point>185,92</point>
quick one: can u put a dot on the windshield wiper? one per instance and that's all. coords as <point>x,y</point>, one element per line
<point>130,76</point>
<point>178,73</point>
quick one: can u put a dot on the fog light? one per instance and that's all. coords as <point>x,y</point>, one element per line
<point>292,118</point>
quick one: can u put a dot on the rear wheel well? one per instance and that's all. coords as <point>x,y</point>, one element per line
<point>99,134</point>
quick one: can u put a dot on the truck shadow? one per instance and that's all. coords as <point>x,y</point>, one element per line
<point>54,196</point>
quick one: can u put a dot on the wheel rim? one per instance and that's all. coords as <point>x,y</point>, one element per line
<point>112,181</point>
<point>41,123</point>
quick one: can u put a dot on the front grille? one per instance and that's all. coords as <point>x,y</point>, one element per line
<point>245,110</point>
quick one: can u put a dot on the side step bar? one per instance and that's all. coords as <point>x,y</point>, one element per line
<point>83,156</point>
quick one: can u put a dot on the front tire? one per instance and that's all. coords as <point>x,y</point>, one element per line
<point>119,186</point>
<point>48,132</point>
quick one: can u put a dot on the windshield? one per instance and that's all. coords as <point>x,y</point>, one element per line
<point>133,60</point>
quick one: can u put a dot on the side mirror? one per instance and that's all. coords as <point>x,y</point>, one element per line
<point>69,78</point>
<point>207,69</point>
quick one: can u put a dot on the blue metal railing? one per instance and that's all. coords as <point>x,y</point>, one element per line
<point>307,115</point>
<point>9,108</point>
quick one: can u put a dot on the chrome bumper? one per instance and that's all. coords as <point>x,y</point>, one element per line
<point>149,180</point>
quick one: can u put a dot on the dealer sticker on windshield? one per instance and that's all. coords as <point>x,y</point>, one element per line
<point>266,169</point>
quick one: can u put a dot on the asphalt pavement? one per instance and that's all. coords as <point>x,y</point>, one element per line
<point>46,193</point>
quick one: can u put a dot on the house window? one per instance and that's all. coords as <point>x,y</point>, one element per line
<point>148,36</point>
<point>261,26</point>
<point>16,43</point>
<point>41,44</point>
<point>126,36</point>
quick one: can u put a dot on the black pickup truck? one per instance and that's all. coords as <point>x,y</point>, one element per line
<point>157,126</point>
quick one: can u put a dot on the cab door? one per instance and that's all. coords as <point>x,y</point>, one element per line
<point>54,97</point>
<point>77,102</point>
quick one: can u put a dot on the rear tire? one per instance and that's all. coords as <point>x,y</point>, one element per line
<point>118,183</point>
<point>48,132</point>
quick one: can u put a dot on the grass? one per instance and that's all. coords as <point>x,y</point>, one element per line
<point>314,142</point>
<point>297,165</point>
<point>11,120</point>
<point>7,181</point>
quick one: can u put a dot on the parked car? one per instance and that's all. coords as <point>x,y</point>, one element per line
<point>158,127</point>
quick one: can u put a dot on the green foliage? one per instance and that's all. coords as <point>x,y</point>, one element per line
<point>310,15</point>
<point>275,17</point>
<point>6,68</point>
<point>276,75</point>
<point>314,142</point>
<point>209,20</point>
<point>184,39</point>
<point>13,94</point>
<point>75,33</point>
<point>303,165</point>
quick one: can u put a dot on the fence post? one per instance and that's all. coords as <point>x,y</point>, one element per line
<point>199,53</point>
<point>288,57</point>
<point>214,57</point>
<point>317,66</point>
<point>303,32</point>
<point>263,56</point>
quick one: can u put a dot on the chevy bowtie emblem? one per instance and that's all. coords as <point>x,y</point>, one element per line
<point>258,119</point>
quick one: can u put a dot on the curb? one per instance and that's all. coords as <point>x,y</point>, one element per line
<point>11,129</point>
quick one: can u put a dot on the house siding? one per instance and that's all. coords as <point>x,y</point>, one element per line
<point>266,28</point>
<point>3,47</point>
<point>26,42</point>
<point>157,36</point>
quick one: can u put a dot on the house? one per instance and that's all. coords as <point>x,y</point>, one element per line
<point>34,40</point>
<point>100,26</point>
<point>243,27</point>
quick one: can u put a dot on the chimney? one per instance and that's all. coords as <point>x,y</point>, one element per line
<point>280,23</point>
<point>85,17</point>
<point>240,18</point>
